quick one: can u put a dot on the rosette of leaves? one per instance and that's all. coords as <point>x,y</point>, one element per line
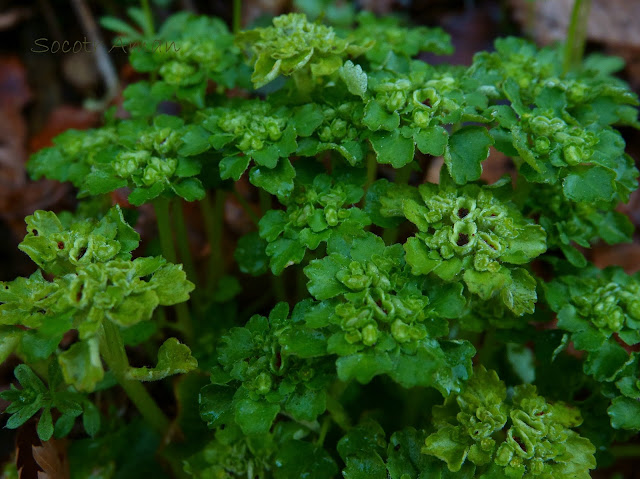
<point>186,53</point>
<point>270,366</point>
<point>555,147</point>
<point>320,207</point>
<point>394,44</point>
<point>405,111</point>
<point>148,159</point>
<point>474,234</point>
<point>524,437</point>
<point>600,310</point>
<point>248,130</point>
<point>73,154</point>
<point>333,124</point>
<point>90,279</point>
<point>35,396</point>
<point>567,222</point>
<point>294,46</point>
<point>522,71</point>
<point>378,319</point>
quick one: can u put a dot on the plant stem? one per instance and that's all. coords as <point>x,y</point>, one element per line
<point>246,207</point>
<point>161,207</point>
<point>114,354</point>
<point>576,35</point>
<point>372,169</point>
<point>326,423</point>
<point>214,223</point>
<point>237,16</point>
<point>626,450</point>
<point>182,239</point>
<point>146,8</point>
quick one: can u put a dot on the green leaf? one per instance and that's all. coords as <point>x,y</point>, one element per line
<point>354,78</point>
<point>216,405</point>
<point>485,283</point>
<point>589,184</point>
<point>468,147</point>
<point>190,189</point>
<point>251,255</point>
<point>255,417</point>
<point>277,181</point>
<point>303,459</point>
<point>392,148</point>
<point>284,253</point>
<point>625,413</point>
<point>520,295</point>
<point>376,117</point>
<point>432,141</point>
<point>45,425</point>
<point>306,405</point>
<point>363,367</point>
<point>81,365</point>
<point>171,285</point>
<point>173,358</point>
<point>234,166</point>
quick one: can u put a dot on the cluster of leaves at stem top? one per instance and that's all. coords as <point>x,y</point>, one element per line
<point>404,282</point>
<point>86,277</point>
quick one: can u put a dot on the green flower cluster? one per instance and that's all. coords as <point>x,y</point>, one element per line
<point>321,206</point>
<point>606,301</point>
<point>293,45</point>
<point>260,375</point>
<point>538,441</point>
<point>470,233</point>
<point>94,280</point>
<point>188,52</point>
<point>73,154</point>
<point>378,317</point>
<point>149,159</point>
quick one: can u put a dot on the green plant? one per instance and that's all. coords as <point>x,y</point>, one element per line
<point>369,369</point>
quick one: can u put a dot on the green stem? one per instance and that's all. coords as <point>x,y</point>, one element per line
<point>214,223</point>
<point>114,354</point>
<point>237,16</point>
<point>279,289</point>
<point>576,34</point>
<point>265,200</point>
<point>625,450</point>
<point>372,169</point>
<point>326,423</point>
<point>182,239</point>
<point>148,14</point>
<point>246,207</point>
<point>161,206</point>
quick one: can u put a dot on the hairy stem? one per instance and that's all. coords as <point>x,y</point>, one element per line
<point>576,34</point>
<point>114,354</point>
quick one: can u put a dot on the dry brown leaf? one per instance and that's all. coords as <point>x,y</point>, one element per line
<point>52,459</point>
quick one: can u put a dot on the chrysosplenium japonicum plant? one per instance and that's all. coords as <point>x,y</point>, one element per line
<point>397,327</point>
